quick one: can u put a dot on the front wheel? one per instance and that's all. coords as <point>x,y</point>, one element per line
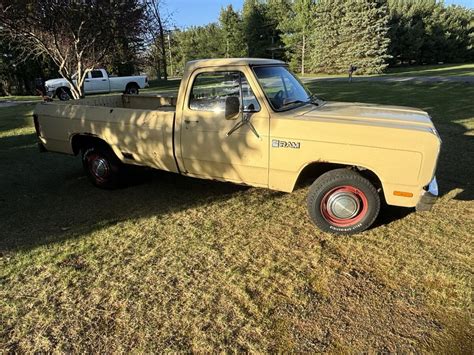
<point>342,201</point>
<point>102,167</point>
<point>64,94</point>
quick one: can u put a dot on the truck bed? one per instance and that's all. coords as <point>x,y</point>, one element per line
<point>137,127</point>
<point>135,102</point>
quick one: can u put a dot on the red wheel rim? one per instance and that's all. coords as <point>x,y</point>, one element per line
<point>98,167</point>
<point>344,206</point>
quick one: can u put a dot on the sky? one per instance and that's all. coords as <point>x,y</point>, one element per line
<point>200,12</point>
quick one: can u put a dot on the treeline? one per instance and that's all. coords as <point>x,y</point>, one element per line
<point>314,36</point>
<point>329,35</point>
<point>50,38</point>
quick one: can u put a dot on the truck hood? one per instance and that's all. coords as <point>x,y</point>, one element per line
<point>55,82</point>
<point>361,113</point>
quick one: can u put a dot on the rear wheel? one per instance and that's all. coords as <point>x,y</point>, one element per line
<point>132,89</point>
<point>342,201</point>
<point>102,167</point>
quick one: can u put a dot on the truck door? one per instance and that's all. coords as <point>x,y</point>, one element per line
<point>215,147</point>
<point>96,82</point>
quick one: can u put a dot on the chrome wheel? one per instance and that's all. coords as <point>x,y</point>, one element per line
<point>99,167</point>
<point>344,206</point>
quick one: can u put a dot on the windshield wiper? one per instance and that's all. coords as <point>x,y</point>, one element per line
<point>292,102</point>
<point>315,100</point>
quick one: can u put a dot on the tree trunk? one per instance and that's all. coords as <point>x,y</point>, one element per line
<point>303,50</point>
<point>163,48</point>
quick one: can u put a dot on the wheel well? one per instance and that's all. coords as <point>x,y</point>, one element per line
<point>79,141</point>
<point>65,88</point>
<point>132,84</point>
<point>314,170</point>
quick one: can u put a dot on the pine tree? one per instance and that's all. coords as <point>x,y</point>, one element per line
<point>426,31</point>
<point>364,35</point>
<point>351,32</point>
<point>296,26</point>
<point>325,37</point>
<point>261,34</point>
<point>233,34</point>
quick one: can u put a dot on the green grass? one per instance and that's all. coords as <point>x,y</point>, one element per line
<point>434,70</point>
<point>443,70</point>
<point>19,98</point>
<point>172,263</point>
<point>162,87</point>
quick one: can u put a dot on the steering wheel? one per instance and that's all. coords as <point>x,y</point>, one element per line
<point>278,99</point>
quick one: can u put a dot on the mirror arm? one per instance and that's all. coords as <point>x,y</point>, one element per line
<point>245,116</point>
<point>235,128</point>
<point>245,121</point>
<point>241,96</point>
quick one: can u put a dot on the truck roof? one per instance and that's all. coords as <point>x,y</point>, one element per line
<point>191,65</point>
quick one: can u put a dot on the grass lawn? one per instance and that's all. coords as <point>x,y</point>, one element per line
<point>19,98</point>
<point>442,70</point>
<point>434,70</point>
<point>172,263</point>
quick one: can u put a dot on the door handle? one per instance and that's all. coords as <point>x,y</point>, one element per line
<point>87,80</point>
<point>187,121</point>
<point>104,79</point>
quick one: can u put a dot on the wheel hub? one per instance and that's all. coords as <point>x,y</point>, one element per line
<point>100,167</point>
<point>343,205</point>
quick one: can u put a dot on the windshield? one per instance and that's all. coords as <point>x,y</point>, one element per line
<point>282,88</point>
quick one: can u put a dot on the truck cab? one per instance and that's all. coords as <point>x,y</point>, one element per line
<point>97,81</point>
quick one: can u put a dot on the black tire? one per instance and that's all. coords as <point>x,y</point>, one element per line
<point>102,167</point>
<point>132,89</point>
<point>64,94</point>
<point>342,201</point>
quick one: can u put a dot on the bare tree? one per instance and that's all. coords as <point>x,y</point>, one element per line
<point>75,34</point>
<point>156,31</point>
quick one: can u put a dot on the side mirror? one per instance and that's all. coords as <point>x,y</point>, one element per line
<point>232,107</point>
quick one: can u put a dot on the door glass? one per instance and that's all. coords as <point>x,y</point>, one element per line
<point>210,91</point>
<point>96,74</point>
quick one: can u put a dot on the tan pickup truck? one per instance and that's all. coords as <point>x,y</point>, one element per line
<point>251,121</point>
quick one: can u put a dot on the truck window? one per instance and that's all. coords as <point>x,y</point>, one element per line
<point>96,74</point>
<point>211,89</point>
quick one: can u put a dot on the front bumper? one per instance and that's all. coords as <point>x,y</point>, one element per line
<point>429,197</point>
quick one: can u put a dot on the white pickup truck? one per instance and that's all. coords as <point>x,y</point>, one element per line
<point>97,81</point>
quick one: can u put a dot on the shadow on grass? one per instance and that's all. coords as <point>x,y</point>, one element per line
<point>47,198</point>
